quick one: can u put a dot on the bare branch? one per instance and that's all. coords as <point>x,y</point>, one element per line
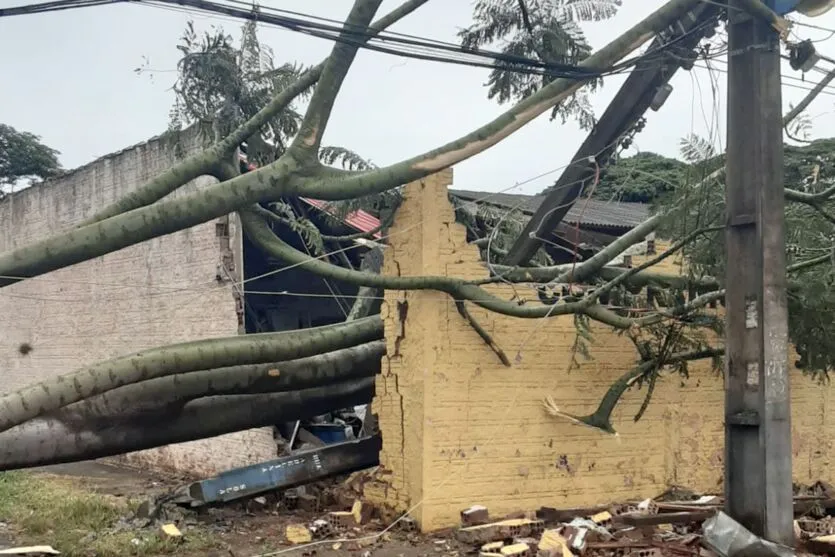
<point>50,441</point>
<point>263,237</point>
<point>202,163</point>
<point>283,177</point>
<point>625,276</point>
<point>385,178</point>
<point>807,100</point>
<point>318,113</point>
<point>601,418</point>
<point>482,332</point>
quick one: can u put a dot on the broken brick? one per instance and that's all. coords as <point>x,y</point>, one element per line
<point>516,550</point>
<point>475,516</point>
<point>603,519</point>
<point>170,531</point>
<point>492,547</point>
<point>554,544</point>
<point>648,506</point>
<point>298,534</point>
<point>504,529</point>
<point>307,502</point>
<point>341,520</point>
<point>321,529</point>
<point>362,512</point>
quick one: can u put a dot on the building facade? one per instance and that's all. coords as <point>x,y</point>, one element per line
<point>175,288</point>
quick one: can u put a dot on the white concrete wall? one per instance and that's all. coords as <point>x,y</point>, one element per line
<point>158,292</point>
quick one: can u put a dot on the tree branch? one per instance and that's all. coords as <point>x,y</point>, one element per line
<point>318,113</point>
<point>807,100</point>
<point>601,418</point>
<point>482,332</point>
<point>154,395</point>
<point>282,178</point>
<point>50,441</point>
<point>623,277</point>
<point>263,237</point>
<point>51,394</point>
<point>202,163</point>
<point>385,178</point>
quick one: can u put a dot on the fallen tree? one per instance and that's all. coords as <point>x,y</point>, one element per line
<point>50,441</point>
<point>169,394</point>
<point>68,418</point>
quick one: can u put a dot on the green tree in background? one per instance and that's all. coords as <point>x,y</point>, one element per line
<point>24,158</point>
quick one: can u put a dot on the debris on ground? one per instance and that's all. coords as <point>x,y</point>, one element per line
<point>728,537</point>
<point>298,534</point>
<point>30,550</point>
<point>475,516</point>
<point>171,532</point>
<point>679,523</point>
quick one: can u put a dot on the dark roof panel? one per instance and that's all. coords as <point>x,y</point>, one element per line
<point>592,212</point>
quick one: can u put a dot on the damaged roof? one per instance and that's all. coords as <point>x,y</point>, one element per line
<point>586,211</point>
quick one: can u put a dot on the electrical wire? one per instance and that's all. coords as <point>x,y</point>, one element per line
<point>409,46</point>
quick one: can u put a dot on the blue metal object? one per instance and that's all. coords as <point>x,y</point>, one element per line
<point>782,7</point>
<point>299,468</point>
<point>328,433</point>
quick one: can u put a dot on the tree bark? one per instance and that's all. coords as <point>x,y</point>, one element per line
<point>49,441</point>
<point>172,392</point>
<point>312,128</point>
<point>262,236</point>
<point>284,178</point>
<point>204,162</point>
<point>52,394</point>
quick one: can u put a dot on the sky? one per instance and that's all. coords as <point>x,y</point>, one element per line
<point>70,78</point>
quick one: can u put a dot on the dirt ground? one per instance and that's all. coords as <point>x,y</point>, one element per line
<point>247,529</point>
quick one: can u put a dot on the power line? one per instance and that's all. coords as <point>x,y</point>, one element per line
<point>805,86</point>
<point>419,48</point>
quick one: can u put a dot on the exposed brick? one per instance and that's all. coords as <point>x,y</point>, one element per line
<point>460,428</point>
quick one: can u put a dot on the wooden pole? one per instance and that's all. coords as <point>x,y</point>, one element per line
<point>758,452</point>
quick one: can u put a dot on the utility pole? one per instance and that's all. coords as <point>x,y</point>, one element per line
<point>758,449</point>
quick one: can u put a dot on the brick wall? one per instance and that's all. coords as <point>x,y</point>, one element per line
<point>459,428</point>
<point>158,292</point>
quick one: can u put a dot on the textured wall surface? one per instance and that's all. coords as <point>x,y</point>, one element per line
<point>459,428</point>
<point>158,292</point>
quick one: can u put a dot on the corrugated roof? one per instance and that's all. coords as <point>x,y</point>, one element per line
<point>592,212</point>
<point>360,220</point>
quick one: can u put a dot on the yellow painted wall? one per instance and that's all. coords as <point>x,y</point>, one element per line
<point>459,428</point>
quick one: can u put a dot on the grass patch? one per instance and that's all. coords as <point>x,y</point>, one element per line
<point>56,511</point>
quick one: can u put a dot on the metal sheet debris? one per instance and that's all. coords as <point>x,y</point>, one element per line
<point>729,538</point>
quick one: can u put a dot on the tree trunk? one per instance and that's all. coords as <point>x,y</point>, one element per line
<point>52,394</point>
<point>49,441</point>
<point>170,394</point>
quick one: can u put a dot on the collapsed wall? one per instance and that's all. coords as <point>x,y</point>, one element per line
<point>171,289</point>
<point>459,428</point>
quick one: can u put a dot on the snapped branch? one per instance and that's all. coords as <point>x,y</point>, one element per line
<point>602,417</point>
<point>336,67</point>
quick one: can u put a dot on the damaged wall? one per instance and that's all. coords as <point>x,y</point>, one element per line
<point>158,292</point>
<point>459,428</point>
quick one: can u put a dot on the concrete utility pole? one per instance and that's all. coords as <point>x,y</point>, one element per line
<point>758,449</point>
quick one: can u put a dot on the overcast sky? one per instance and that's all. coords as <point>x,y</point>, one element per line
<point>69,77</point>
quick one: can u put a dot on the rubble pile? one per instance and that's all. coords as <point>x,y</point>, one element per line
<point>692,526</point>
